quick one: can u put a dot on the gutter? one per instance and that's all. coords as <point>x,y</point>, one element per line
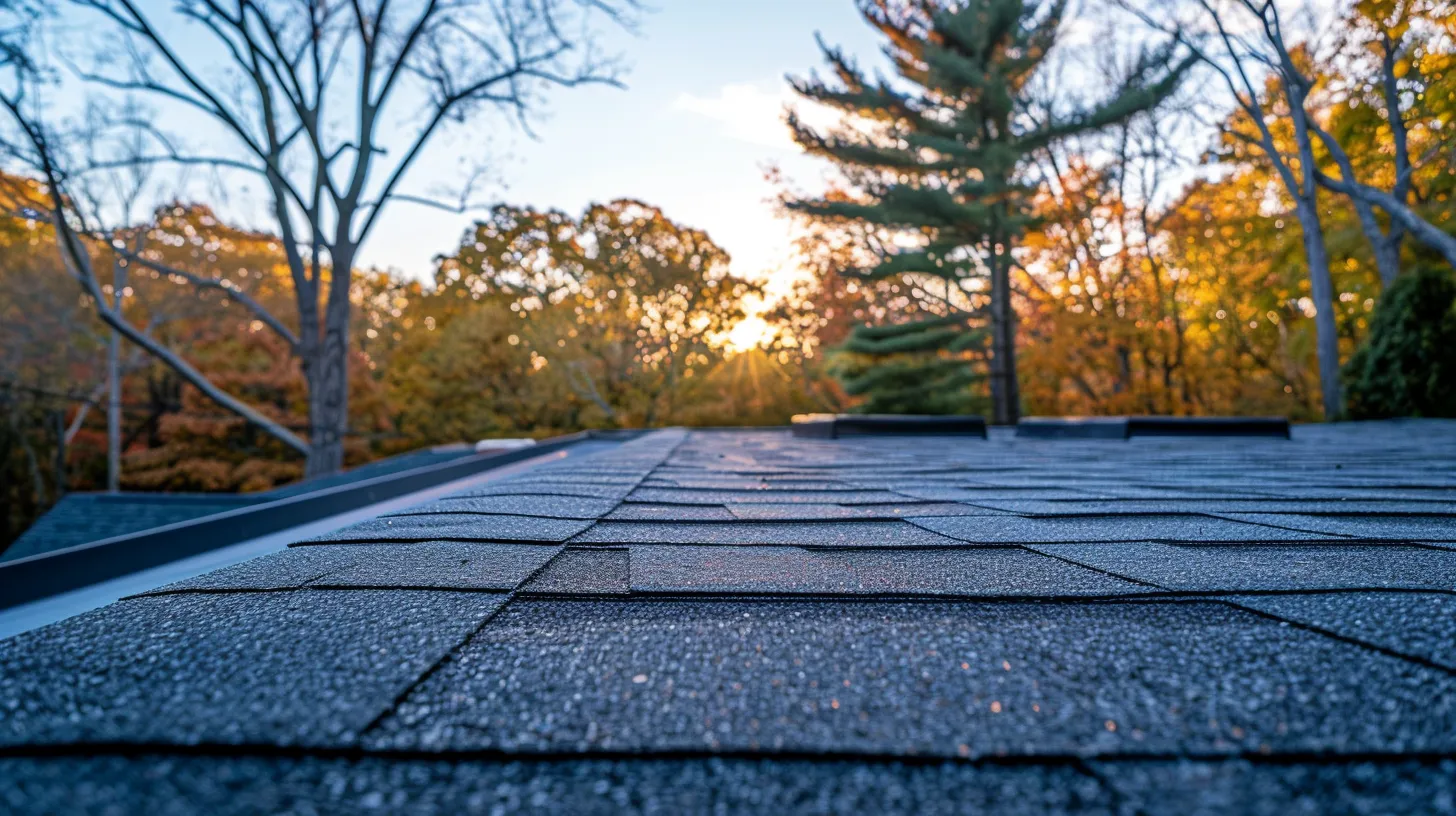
<point>26,580</point>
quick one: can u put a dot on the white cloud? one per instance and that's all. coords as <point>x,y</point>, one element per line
<point>752,114</point>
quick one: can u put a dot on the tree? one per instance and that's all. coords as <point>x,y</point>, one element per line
<point>1407,367</point>
<point>336,104</point>
<point>937,159</point>
<point>1404,60</point>
<point>623,304</point>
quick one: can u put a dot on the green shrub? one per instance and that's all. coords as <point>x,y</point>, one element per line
<point>1407,366</point>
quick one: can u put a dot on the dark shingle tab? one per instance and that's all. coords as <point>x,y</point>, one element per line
<point>1233,569</point>
<point>309,667</point>
<point>930,679</point>
<point>1419,624</point>
<point>1190,528</point>
<point>1367,526</point>
<point>811,534</point>
<point>545,506</point>
<point>595,571</point>
<point>790,570</point>
<point>246,786</point>
<point>454,527</point>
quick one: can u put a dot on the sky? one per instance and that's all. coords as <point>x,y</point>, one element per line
<point>699,120</point>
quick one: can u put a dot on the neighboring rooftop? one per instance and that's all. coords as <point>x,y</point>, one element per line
<point>81,518</point>
<point>748,621</point>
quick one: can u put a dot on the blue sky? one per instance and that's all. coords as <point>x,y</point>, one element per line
<point>691,133</point>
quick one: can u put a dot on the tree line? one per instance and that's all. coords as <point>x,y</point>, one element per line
<point>1227,212</point>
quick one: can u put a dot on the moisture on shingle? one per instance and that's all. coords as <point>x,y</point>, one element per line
<point>563,507</point>
<point>1421,624</point>
<point>308,667</point>
<point>867,512</point>
<point>584,571</point>
<point>670,512</point>
<point>667,495</point>
<point>938,679</point>
<point>974,494</point>
<point>434,564</point>
<point>243,786</point>
<point>556,488</point>
<point>1369,527</point>
<point>972,571</point>
<point>1188,788</point>
<point>1225,507</point>
<point>455,528</point>
<point>288,569</point>
<point>1016,530</point>
<point>804,534</point>
<point>1233,569</point>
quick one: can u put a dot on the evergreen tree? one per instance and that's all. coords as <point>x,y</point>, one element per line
<point>936,153</point>
<point>1407,365</point>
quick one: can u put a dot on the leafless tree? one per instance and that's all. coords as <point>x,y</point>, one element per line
<point>331,106</point>
<point>1241,63</point>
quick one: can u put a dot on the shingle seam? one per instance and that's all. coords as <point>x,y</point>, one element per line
<point>1343,638</point>
<point>444,659</point>
<point>1420,661</point>
<point>1045,759</point>
<point>321,588</point>
<point>1303,530</point>
<point>510,596</point>
<point>411,513</point>
<point>405,542</point>
<point>1329,539</point>
<point>520,591</point>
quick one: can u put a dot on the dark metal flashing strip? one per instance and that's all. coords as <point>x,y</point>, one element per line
<point>44,575</point>
<point>837,426</point>
<point>1155,426</point>
<point>1274,427</point>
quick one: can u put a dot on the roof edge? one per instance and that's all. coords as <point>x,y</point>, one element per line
<point>43,575</point>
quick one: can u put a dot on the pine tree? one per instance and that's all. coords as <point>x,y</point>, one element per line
<point>937,153</point>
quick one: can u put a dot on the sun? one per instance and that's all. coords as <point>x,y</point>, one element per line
<point>749,334</point>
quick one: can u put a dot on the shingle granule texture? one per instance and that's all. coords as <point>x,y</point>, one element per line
<point>294,668</point>
<point>747,622</point>
<point>598,571</point>
<point>1206,568</point>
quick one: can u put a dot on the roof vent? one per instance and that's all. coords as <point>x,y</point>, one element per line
<point>1129,427</point>
<point>835,426</point>
<point>1072,428</point>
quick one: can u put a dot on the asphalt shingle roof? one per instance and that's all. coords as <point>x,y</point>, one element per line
<point>747,622</point>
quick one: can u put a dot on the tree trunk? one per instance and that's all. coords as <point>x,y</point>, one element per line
<point>1005,395</point>
<point>328,400</point>
<point>113,413</point>
<point>1322,292</point>
<point>113,383</point>
<point>1387,258</point>
<point>328,414</point>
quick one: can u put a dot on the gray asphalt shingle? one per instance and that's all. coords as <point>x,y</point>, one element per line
<point>455,527</point>
<point>594,571</point>
<point>309,667</point>
<point>1418,624</point>
<point>1370,527</point>
<point>809,534</point>
<point>1234,569</point>
<point>663,787</point>
<point>1015,530</point>
<point>771,624</point>
<point>931,679</point>
<point>790,570</point>
<point>561,507</point>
